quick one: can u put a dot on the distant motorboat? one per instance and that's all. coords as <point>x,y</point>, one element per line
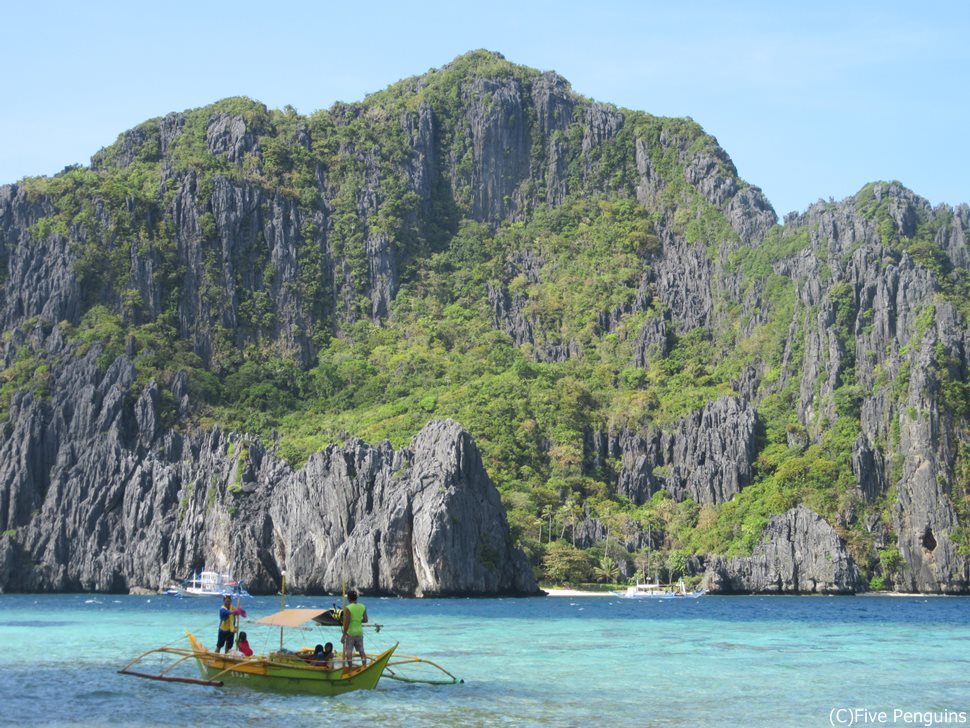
<point>208,584</point>
<point>658,591</point>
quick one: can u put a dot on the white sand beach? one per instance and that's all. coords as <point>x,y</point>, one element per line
<point>576,593</point>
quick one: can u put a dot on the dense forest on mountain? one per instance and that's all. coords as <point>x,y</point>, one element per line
<point>651,365</point>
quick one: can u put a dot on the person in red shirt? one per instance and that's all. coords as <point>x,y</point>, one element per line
<point>243,645</point>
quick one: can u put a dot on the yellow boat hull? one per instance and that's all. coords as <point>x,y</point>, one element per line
<point>287,673</point>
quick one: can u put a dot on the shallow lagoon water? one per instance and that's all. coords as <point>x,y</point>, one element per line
<point>556,661</point>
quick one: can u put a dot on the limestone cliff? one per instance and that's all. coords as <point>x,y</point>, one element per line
<point>800,554</point>
<point>691,350</point>
<point>106,499</point>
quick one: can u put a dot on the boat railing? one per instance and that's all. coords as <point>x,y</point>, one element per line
<point>309,660</point>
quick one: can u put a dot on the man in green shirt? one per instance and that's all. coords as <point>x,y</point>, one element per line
<point>355,616</point>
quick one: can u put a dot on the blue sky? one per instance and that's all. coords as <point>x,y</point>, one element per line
<point>809,101</point>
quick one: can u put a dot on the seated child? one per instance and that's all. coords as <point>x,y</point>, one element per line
<point>323,655</point>
<point>243,645</point>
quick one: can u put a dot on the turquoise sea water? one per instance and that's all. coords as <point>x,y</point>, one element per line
<point>556,661</point>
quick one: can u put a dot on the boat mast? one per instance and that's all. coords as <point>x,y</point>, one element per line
<point>282,601</point>
<point>235,622</point>
<point>281,548</point>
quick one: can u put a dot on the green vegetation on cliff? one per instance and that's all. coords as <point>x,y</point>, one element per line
<point>368,268</point>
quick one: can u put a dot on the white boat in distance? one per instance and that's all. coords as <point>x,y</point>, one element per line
<point>656,591</point>
<point>208,584</point>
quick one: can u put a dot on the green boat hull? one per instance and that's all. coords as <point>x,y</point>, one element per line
<point>284,674</point>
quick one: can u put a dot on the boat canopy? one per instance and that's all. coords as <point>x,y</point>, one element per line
<point>291,617</point>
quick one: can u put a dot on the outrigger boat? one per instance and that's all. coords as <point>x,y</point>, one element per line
<point>285,671</point>
<point>657,591</point>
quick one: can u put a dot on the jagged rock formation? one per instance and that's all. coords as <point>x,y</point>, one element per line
<point>800,554</point>
<point>903,344</point>
<point>838,343</point>
<point>707,456</point>
<point>425,520</point>
<point>107,500</point>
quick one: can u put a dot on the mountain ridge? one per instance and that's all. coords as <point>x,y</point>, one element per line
<point>645,357</point>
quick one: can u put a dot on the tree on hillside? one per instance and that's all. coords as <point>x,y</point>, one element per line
<point>564,563</point>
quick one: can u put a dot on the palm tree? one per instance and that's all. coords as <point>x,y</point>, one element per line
<point>643,561</point>
<point>607,570</point>
<point>547,512</point>
<point>605,516</point>
<point>569,513</point>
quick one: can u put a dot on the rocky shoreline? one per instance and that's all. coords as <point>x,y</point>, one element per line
<point>112,502</point>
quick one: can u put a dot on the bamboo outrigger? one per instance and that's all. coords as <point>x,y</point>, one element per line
<point>285,671</point>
